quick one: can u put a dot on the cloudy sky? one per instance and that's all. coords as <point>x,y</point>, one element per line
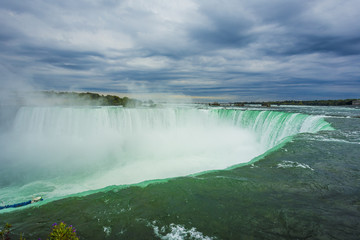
<point>231,50</point>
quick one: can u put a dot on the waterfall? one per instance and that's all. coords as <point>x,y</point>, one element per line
<point>271,127</point>
<point>58,151</point>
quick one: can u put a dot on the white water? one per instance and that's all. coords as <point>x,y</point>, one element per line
<point>57,151</point>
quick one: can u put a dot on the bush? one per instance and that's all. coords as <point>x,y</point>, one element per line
<point>4,234</point>
<point>58,232</point>
<point>62,232</point>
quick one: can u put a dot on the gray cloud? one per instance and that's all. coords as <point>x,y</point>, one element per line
<point>240,49</point>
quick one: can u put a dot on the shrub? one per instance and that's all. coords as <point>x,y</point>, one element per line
<point>62,232</point>
<point>4,234</point>
<point>58,232</point>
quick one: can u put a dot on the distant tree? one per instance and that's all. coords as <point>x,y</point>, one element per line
<point>88,98</point>
<point>214,104</point>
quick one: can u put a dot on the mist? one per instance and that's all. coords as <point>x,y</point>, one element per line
<point>55,151</point>
<point>63,150</point>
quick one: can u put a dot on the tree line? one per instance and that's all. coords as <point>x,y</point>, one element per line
<point>341,102</point>
<point>88,98</point>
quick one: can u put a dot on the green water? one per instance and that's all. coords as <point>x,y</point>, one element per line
<point>306,188</point>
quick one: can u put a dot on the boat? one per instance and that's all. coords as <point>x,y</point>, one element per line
<point>16,205</point>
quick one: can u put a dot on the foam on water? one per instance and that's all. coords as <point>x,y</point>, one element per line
<point>178,232</point>
<point>291,164</point>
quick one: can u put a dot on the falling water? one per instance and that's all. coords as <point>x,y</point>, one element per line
<point>57,151</point>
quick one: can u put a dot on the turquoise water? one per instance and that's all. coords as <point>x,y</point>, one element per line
<point>303,185</point>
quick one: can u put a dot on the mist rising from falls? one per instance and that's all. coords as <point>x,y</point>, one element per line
<point>55,151</point>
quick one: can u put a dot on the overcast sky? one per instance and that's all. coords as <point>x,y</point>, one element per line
<point>230,50</point>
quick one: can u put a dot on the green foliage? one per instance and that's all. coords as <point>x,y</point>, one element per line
<point>62,232</point>
<point>5,233</point>
<point>58,232</point>
<point>88,98</point>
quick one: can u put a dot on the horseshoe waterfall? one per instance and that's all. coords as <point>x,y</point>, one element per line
<point>160,173</point>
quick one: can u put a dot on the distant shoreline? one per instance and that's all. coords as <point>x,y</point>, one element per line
<point>91,98</point>
<point>339,102</point>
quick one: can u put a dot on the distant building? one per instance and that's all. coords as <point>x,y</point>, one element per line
<point>356,102</point>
